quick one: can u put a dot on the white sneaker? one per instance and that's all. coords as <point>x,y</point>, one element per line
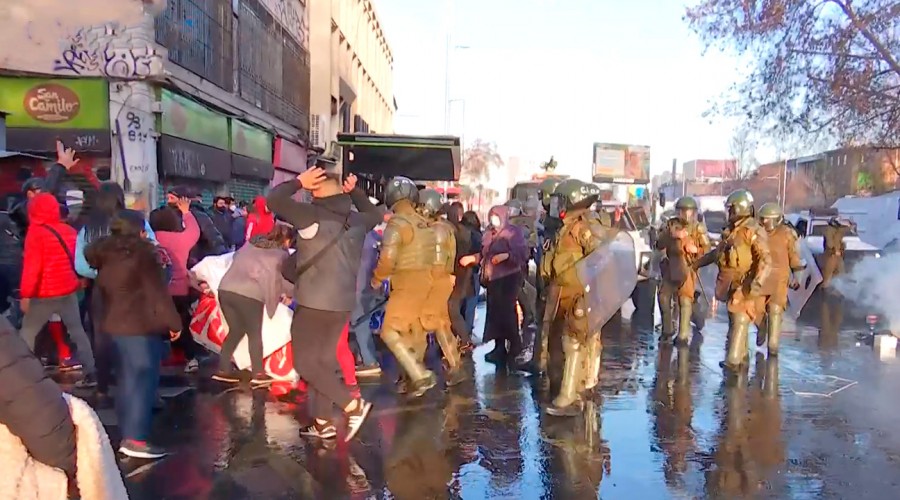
<point>192,366</point>
<point>357,418</point>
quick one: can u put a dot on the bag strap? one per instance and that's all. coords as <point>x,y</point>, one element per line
<point>63,244</point>
<point>321,253</point>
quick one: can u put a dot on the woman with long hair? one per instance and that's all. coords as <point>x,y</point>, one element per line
<point>251,286</point>
<point>108,201</point>
<point>138,314</point>
<point>471,222</point>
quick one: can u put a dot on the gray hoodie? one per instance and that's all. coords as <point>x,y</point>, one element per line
<point>256,273</point>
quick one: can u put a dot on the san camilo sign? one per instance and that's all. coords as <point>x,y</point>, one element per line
<point>76,104</point>
<point>51,103</point>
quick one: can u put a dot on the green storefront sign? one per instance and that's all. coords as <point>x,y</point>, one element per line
<point>81,103</point>
<point>250,141</point>
<point>190,120</point>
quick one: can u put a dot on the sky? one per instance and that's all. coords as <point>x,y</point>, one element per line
<point>551,77</point>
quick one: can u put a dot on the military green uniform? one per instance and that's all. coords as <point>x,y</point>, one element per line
<point>679,279</point>
<point>786,260</point>
<point>580,235</point>
<point>744,265</point>
<point>407,257</point>
<point>833,257</point>
<point>550,225</point>
<point>436,314</point>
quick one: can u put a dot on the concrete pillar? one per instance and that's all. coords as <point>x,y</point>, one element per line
<point>134,136</point>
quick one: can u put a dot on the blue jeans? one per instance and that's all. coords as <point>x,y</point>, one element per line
<point>138,358</point>
<point>363,333</point>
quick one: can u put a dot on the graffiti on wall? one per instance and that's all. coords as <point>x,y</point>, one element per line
<point>98,51</point>
<point>84,38</point>
<point>292,15</point>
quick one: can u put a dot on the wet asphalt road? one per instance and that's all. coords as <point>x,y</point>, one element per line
<point>818,422</point>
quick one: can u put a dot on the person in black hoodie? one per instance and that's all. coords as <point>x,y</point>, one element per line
<point>32,405</point>
<point>139,315</point>
<point>329,246</point>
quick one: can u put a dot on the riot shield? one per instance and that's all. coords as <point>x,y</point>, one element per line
<point>809,280</point>
<point>609,275</point>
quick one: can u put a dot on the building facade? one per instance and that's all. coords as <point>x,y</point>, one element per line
<point>352,71</point>
<point>214,94</point>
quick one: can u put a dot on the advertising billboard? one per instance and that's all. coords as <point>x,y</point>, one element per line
<point>621,163</point>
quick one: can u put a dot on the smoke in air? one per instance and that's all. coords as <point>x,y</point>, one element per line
<point>872,286</point>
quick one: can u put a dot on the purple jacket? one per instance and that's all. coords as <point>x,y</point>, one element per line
<point>508,239</point>
<point>371,250</point>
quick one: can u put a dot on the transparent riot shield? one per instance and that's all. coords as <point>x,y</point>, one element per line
<point>609,275</point>
<point>809,280</point>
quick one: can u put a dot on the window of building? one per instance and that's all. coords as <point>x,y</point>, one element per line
<point>274,69</point>
<point>198,37</point>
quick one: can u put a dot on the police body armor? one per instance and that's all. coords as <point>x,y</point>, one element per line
<point>416,256</point>
<point>445,245</point>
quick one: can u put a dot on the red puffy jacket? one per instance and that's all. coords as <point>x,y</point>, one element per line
<point>47,269</point>
<point>261,221</point>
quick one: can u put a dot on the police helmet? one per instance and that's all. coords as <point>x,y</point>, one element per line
<point>400,188</point>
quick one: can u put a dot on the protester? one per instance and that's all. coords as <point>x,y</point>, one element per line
<point>504,253</point>
<point>178,243</point>
<point>49,283</point>
<point>462,285</point>
<point>210,241</point>
<point>138,314</point>
<point>366,302</point>
<point>32,405</point>
<point>261,221</point>
<point>330,244</point>
<point>223,219</point>
<point>471,221</point>
<point>239,228</point>
<point>251,286</point>
<point>108,202</point>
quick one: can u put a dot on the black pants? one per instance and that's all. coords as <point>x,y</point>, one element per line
<point>314,336</point>
<point>244,317</point>
<point>457,320</point>
<point>502,322</point>
<point>186,341</point>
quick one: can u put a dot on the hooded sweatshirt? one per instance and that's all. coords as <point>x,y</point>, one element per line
<point>255,273</point>
<point>261,221</point>
<point>48,269</point>
<point>504,238</point>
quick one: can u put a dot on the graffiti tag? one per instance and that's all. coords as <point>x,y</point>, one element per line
<point>93,51</point>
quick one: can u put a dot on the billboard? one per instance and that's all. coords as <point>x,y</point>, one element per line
<point>621,163</point>
<point>710,169</point>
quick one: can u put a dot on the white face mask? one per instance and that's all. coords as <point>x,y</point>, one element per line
<point>495,221</point>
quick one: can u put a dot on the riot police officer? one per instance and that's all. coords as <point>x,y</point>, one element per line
<point>567,311</point>
<point>786,263</point>
<point>436,314</point>
<point>683,240</point>
<point>834,246</point>
<point>744,265</point>
<point>407,258</point>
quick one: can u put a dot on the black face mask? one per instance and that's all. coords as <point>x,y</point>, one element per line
<point>221,209</point>
<point>172,205</point>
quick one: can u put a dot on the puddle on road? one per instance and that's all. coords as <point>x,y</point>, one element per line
<point>664,424</point>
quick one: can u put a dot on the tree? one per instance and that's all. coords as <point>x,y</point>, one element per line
<point>743,150</point>
<point>549,166</point>
<point>478,160</point>
<point>827,67</point>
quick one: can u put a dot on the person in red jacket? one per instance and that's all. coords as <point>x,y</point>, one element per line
<point>49,284</point>
<point>261,221</point>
